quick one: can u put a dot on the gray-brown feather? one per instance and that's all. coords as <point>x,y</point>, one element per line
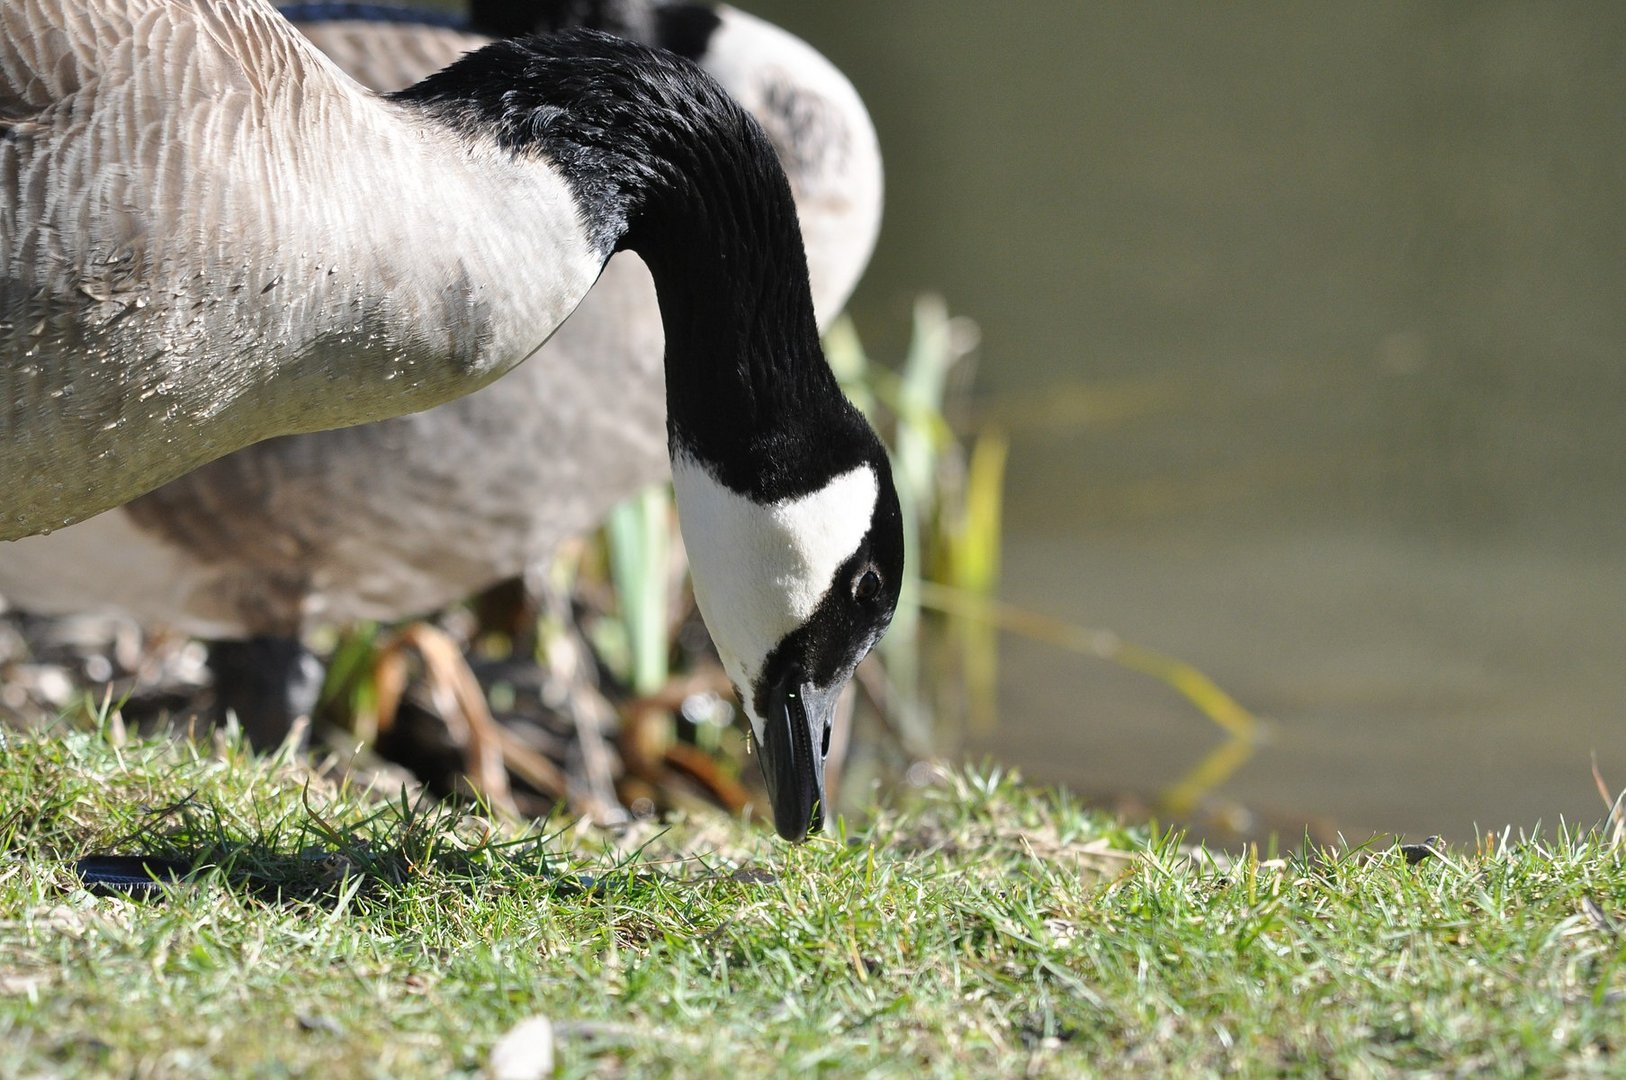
<point>410,514</point>
<point>194,254</point>
<point>386,56</point>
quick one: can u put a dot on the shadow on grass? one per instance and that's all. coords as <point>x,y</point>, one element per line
<point>315,861</point>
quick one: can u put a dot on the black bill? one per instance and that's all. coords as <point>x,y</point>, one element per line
<point>795,740</point>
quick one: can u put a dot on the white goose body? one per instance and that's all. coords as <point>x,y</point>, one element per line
<point>395,518</point>
<point>187,268</point>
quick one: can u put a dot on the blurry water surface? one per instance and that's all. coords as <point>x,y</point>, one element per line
<point>1309,322</point>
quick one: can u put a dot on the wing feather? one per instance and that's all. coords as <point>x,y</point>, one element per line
<point>204,227</point>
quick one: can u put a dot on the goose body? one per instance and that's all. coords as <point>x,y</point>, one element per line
<point>784,495</point>
<point>186,271</point>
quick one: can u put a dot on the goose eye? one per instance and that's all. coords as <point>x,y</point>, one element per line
<point>867,587</point>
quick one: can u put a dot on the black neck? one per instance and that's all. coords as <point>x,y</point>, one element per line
<point>664,163</point>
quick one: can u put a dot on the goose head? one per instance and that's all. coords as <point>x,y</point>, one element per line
<point>797,581</point>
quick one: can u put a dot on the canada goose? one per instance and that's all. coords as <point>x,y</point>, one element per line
<point>785,497</point>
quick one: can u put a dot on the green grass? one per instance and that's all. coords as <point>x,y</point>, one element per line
<point>983,929</point>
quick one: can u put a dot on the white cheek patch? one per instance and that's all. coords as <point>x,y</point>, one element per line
<point>760,571</point>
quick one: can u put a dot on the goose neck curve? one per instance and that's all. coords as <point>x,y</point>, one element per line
<point>663,162</point>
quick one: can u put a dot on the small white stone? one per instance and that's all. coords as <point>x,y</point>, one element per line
<point>524,1053</point>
